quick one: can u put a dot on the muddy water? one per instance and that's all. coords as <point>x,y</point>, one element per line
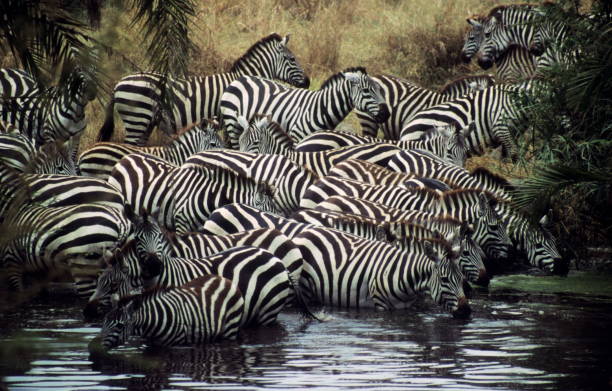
<point>513,341</point>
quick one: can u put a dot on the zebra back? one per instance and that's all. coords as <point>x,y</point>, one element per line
<point>142,104</point>
<point>266,136</point>
<point>145,182</point>
<point>98,161</point>
<point>204,310</point>
<point>234,218</point>
<point>299,111</point>
<point>199,190</point>
<point>290,179</point>
<point>466,84</point>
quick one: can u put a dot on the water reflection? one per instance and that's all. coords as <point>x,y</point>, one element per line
<point>508,344</point>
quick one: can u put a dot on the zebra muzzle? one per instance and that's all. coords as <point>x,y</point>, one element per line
<point>383,113</point>
<point>463,310</point>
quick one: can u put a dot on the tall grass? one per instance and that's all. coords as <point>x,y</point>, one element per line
<point>419,39</point>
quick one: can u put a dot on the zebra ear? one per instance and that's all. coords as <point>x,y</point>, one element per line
<point>483,204</point>
<point>469,129</point>
<point>114,299</point>
<point>352,77</point>
<point>546,220</point>
<point>381,234</point>
<point>285,39</point>
<point>473,22</point>
<point>465,230</point>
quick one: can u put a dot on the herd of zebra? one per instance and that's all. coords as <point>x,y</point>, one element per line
<point>257,203</point>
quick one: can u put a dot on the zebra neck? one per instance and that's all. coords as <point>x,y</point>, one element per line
<point>332,104</point>
<point>253,67</point>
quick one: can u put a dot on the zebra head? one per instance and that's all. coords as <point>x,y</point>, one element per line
<point>264,198</point>
<point>152,244</point>
<point>122,276</point>
<point>456,147</point>
<point>118,324</point>
<point>473,38</point>
<point>207,135</point>
<point>541,247</point>
<point>57,157</point>
<point>447,287</point>
<point>255,137</point>
<point>287,67</point>
<point>491,229</point>
<point>496,39</point>
<point>366,94</point>
<point>471,259</point>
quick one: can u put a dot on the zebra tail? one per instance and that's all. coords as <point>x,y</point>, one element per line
<point>107,129</point>
<point>301,303</point>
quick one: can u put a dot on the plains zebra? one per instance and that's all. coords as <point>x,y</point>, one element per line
<point>16,83</point>
<point>422,164</point>
<point>513,65</point>
<point>347,271</point>
<point>47,238</point>
<point>402,234</point>
<point>289,178</point>
<point>204,310</point>
<point>20,154</point>
<point>493,110</point>
<point>405,99</point>
<point>198,245</point>
<point>261,277</point>
<point>57,113</point>
<point>467,205</point>
<point>299,111</point>
<point>507,25</point>
<point>145,182</point>
<point>550,43</point>
<point>51,190</point>
<point>98,161</point>
<point>265,136</point>
<point>199,190</point>
<point>138,98</point>
<point>444,141</point>
<point>235,218</point>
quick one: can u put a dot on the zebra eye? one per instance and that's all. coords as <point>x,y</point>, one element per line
<point>120,326</point>
<point>487,35</point>
<point>445,280</point>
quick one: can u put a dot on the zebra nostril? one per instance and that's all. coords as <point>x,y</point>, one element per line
<point>383,113</point>
<point>483,278</point>
<point>466,58</point>
<point>485,62</point>
<point>305,83</point>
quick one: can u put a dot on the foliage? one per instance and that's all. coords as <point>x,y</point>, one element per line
<point>570,143</point>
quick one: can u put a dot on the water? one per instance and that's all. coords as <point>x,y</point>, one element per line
<point>513,341</point>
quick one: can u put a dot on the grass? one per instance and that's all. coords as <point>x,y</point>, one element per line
<point>419,40</point>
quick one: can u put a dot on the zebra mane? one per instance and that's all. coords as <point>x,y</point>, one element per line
<point>431,132</point>
<point>262,42</point>
<point>333,79</point>
<point>472,193</point>
<point>504,7</point>
<point>495,178</point>
<point>444,244</point>
<point>120,251</point>
<point>49,151</point>
<point>460,79</point>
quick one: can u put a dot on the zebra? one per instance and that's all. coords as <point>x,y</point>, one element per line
<point>19,153</point>
<point>444,141</point>
<point>139,99</point>
<point>198,245</point>
<point>51,190</point>
<point>549,42</point>
<point>507,25</point>
<point>99,160</point>
<point>57,113</point>
<point>512,66</point>
<point>469,205</point>
<point>493,110</point>
<point>16,83</point>
<point>145,182</point>
<point>299,111</point>
<point>199,190</point>
<point>289,178</point>
<point>422,164</point>
<point>203,310</point>
<point>265,136</point>
<point>402,234</point>
<point>47,238</point>
<point>347,271</point>
<point>405,99</point>
<point>261,277</point>
<point>234,218</point>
